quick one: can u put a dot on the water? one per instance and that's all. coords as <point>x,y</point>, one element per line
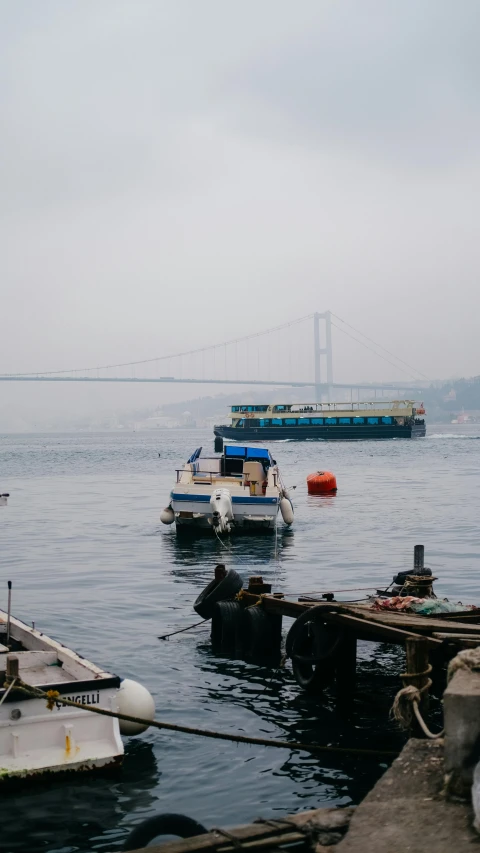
<point>92,565</point>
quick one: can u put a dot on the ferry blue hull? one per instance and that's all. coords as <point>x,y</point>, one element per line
<point>341,432</point>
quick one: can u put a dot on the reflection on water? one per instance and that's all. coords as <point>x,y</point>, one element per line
<point>93,806</point>
<point>92,565</point>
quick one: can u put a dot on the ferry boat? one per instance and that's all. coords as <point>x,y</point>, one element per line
<point>240,490</point>
<point>35,740</point>
<point>328,421</point>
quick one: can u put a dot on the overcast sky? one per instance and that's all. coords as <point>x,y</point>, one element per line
<point>183,172</point>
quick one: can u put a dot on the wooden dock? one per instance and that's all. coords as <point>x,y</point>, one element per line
<point>322,642</point>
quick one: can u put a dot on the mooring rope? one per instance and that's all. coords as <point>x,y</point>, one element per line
<point>407,703</point>
<point>181,630</point>
<point>53,696</point>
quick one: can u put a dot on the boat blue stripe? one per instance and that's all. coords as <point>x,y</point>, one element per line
<point>236,500</point>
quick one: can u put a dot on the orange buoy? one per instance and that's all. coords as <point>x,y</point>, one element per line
<point>321,482</point>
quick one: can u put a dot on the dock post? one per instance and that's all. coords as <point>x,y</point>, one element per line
<point>418,674</point>
<point>418,558</point>
<point>346,668</point>
<point>12,667</point>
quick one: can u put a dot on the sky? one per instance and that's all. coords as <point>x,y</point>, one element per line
<point>180,173</point>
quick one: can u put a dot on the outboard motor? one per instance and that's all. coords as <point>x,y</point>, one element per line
<point>222,510</point>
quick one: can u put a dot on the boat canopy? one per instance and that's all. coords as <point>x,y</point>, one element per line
<point>259,454</point>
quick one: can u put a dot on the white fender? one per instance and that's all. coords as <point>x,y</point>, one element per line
<point>167,515</point>
<point>286,509</point>
<point>222,510</point>
<point>134,700</point>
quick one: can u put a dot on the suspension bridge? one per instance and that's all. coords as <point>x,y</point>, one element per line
<point>296,354</point>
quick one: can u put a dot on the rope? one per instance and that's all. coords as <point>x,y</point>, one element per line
<point>407,701</point>
<point>53,696</point>
<point>468,659</point>
<point>335,591</point>
<point>2,700</point>
<point>181,631</point>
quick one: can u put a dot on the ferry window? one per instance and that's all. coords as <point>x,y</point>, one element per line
<point>304,422</point>
<point>241,422</point>
<point>264,422</point>
<point>235,408</point>
<point>291,421</point>
<point>372,420</point>
<point>249,408</point>
<point>277,422</point>
<point>279,408</point>
<point>317,421</point>
<point>359,420</point>
<point>386,420</point>
<point>330,420</point>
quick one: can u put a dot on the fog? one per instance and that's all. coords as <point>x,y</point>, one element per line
<point>182,173</point>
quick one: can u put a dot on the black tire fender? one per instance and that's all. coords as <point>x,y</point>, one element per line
<point>312,614</point>
<point>163,824</point>
<point>222,590</point>
<point>259,632</point>
<point>313,644</point>
<point>226,617</point>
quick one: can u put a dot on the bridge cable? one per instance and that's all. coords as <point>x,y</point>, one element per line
<point>372,350</point>
<point>379,345</point>
<point>165,357</point>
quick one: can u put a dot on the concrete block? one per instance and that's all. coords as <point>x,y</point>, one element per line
<point>462,730</point>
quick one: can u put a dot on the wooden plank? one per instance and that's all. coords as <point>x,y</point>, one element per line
<point>370,630</point>
<point>464,640</point>
<point>408,622</point>
<point>450,635</point>
<point>419,624</point>
<point>464,616</point>
<point>284,606</point>
<point>260,834</point>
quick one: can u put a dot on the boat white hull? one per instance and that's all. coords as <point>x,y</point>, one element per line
<point>258,513</point>
<point>63,739</point>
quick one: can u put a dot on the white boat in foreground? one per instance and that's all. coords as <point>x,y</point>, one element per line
<point>239,490</point>
<point>35,740</point>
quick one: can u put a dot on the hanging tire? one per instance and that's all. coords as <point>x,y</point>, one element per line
<point>163,824</point>
<point>260,633</point>
<point>222,590</point>
<point>225,624</point>
<point>312,645</point>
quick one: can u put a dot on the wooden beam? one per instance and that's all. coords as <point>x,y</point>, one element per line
<point>465,640</point>
<point>261,834</point>
<point>366,629</point>
<point>406,621</point>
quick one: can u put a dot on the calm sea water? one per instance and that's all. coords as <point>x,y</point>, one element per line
<point>93,566</point>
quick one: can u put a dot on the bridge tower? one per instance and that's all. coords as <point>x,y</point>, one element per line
<point>320,351</point>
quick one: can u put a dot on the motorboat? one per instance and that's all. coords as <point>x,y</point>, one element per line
<point>239,490</point>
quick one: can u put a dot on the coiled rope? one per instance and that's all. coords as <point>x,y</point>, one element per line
<point>53,696</point>
<point>407,701</point>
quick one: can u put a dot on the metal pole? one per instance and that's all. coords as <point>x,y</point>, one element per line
<point>9,610</point>
<point>328,346</point>
<point>316,355</point>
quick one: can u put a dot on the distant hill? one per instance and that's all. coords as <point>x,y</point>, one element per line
<point>443,402</point>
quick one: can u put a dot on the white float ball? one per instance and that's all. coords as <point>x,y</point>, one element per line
<point>134,700</point>
<point>167,515</point>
